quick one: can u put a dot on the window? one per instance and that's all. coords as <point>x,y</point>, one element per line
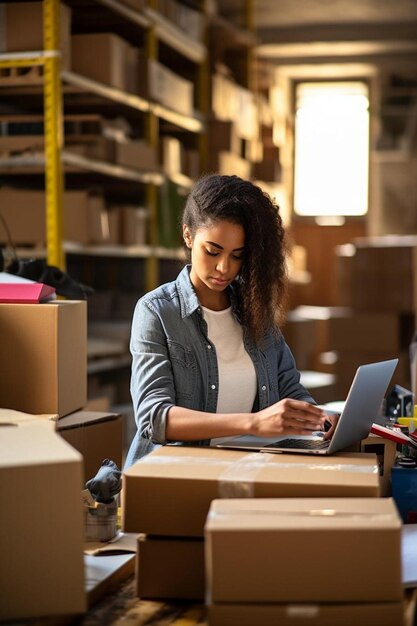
<point>331,149</point>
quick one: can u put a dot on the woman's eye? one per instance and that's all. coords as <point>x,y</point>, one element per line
<point>211,253</point>
<point>237,258</point>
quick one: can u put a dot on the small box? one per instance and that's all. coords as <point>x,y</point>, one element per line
<point>43,349</point>
<point>170,89</point>
<point>170,568</point>
<point>103,57</point>
<point>360,614</point>
<point>137,154</point>
<point>169,491</point>
<point>96,435</point>
<point>41,539</point>
<point>304,550</point>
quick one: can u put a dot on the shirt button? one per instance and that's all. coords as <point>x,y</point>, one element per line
<point>263,387</point>
<point>213,386</point>
<point>209,346</point>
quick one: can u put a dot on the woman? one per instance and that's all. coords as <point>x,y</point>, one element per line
<point>208,356</point>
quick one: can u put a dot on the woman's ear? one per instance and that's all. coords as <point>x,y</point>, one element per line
<point>186,235</point>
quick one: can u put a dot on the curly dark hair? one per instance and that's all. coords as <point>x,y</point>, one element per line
<point>262,284</point>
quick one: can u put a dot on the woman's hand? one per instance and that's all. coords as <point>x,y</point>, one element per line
<point>288,417</point>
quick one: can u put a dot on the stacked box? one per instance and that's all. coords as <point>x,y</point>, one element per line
<point>261,556</point>
<point>41,522</point>
<point>170,89</point>
<point>167,494</point>
<point>43,349</point>
<point>355,336</point>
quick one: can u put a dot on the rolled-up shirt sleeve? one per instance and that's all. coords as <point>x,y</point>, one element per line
<point>152,384</point>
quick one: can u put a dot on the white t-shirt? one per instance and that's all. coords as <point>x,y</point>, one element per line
<point>237,376</point>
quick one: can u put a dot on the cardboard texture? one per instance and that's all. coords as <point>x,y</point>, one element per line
<point>9,417</point>
<point>170,568</point>
<point>42,534</point>
<point>96,435</point>
<point>169,491</point>
<point>386,452</point>
<point>43,356</point>
<point>109,63</point>
<point>170,89</point>
<point>24,212</point>
<point>304,550</point>
<point>359,614</point>
<point>23,29</point>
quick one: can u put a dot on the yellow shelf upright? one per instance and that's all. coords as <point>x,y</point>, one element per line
<point>152,135</point>
<point>53,134</point>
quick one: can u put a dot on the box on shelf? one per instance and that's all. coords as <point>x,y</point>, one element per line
<point>229,164</point>
<point>170,568</point>
<point>103,57</point>
<point>358,539</point>
<point>24,212</point>
<point>172,155</point>
<point>133,225</point>
<point>22,29</point>
<point>192,165</point>
<point>169,491</point>
<point>138,154</point>
<point>96,435</point>
<point>342,614</point>
<point>222,135</point>
<point>387,271</point>
<point>41,524</point>
<point>170,89</point>
<point>44,356</point>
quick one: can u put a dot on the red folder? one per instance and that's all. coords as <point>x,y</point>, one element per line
<point>25,293</point>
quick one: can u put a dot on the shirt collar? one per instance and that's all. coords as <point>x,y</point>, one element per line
<point>188,297</point>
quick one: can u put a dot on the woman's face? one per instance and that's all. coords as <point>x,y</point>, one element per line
<point>216,258</point>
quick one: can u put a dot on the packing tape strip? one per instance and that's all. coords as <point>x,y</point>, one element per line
<point>238,480</point>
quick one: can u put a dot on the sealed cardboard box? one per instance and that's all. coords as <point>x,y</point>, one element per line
<point>43,350</point>
<point>168,492</point>
<point>170,89</point>
<point>9,417</point>
<point>41,525</point>
<point>96,435</point>
<point>170,568</point>
<point>359,614</point>
<point>304,550</point>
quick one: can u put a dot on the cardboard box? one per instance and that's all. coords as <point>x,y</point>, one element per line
<point>138,154</point>
<point>386,453</point>
<point>42,534</point>
<point>360,614</point>
<point>342,328</point>
<point>22,29</point>
<point>9,417</point>
<point>229,164</point>
<point>168,492</point>
<point>96,435</point>
<point>170,568</point>
<point>43,350</point>
<point>133,225</point>
<point>222,135</point>
<point>170,89</point>
<point>24,212</point>
<point>103,57</point>
<point>304,550</point>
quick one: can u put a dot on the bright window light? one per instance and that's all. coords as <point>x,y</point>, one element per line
<point>331,149</point>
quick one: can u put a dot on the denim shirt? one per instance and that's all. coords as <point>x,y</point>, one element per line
<point>174,363</point>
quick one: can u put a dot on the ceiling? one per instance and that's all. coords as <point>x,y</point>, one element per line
<point>294,31</point>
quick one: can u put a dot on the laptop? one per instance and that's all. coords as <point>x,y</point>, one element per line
<point>360,411</point>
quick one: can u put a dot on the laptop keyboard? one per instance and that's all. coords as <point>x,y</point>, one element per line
<point>305,444</point>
